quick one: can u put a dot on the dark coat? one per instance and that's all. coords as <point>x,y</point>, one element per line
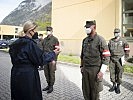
<point>26,56</point>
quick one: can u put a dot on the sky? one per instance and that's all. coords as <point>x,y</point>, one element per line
<point>6,6</point>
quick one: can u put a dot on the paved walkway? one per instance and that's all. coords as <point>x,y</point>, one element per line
<point>67,85</point>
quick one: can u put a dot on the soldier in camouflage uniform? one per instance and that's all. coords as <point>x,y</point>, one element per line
<point>49,44</point>
<point>119,50</point>
<point>94,61</point>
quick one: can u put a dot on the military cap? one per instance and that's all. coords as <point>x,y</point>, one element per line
<point>116,30</point>
<point>49,28</point>
<point>90,23</point>
<point>40,34</point>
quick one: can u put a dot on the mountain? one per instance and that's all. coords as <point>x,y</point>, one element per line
<point>36,10</point>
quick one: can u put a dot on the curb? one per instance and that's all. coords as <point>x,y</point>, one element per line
<point>70,64</point>
<point>129,74</point>
<point>77,65</point>
<point>3,51</point>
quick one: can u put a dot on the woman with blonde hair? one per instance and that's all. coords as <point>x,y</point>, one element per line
<point>26,56</point>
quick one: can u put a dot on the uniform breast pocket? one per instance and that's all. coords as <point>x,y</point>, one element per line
<point>85,47</point>
<point>112,47</point>
<point>119,45</point>
<point>94,50</point>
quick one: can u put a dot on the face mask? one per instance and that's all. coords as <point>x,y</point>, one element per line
<point>116,34</point>
<point>35,36</point>
<point>88,31</point>
<point>39,37</point>
<point>48,32</point>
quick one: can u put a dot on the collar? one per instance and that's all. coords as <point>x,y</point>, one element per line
<point>26,37</point>
<point>91,38</point>
<point>49,37</point>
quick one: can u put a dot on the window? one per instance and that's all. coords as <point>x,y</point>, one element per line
<point>127,24</point>
<point>16,30</point>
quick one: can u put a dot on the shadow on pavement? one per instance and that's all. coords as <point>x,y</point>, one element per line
<point>127,85</point>
<point>106,83</point>
<point>64,89</point>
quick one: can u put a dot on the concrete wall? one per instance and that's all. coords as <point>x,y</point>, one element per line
<point>131,49</point>
<point>70,16</point>
<point>9,30</point>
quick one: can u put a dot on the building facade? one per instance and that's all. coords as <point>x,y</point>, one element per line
<point>8,31</point>
<point>70,16</point>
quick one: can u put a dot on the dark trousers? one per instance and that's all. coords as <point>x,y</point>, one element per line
<point>49,71</point>
<point>91,86</point>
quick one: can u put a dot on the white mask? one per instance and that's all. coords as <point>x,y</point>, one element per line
<point>116,34</point>
<point>40,37</point>
<point>48,32</point>
<point>88,31</point>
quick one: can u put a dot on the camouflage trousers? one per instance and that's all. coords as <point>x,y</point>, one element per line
<point>116,70</point>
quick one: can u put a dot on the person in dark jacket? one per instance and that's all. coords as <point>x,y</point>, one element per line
<point>26,56</point>
<point>39,43</point>
<point>39,40</point>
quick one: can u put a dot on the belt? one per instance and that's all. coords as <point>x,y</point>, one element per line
<point>22,65</point>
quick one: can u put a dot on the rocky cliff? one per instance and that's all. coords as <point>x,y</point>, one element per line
<point>36,10</point>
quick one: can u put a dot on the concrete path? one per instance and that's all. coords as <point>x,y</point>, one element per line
<point>67,85</point>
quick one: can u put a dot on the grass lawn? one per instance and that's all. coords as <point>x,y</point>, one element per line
<point>128,68</point>
<point>76,60</point>
<point>69,59</point>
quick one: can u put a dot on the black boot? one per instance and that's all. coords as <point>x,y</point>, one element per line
<point>117,90</point>
<point>112,88</point>
<point>47,88</point>
<point>50,89</point>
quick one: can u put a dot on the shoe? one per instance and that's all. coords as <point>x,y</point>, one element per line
<point>117,90</point>
<point>112,88</point>
<point>45,89</point>
<point>50,89</point>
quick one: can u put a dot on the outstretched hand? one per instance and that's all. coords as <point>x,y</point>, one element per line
<point>57,47</point>
<point>100,75</point>
<point>57,50</point>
